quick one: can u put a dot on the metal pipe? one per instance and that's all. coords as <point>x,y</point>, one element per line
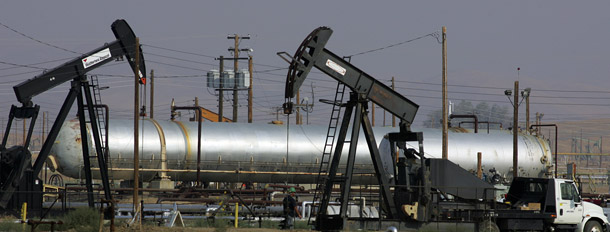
<point>556,129</point>
<point>482,122</point>
<point>476,120</point>
<point>301,188</point>
<point>152,93</point>
<point>213,200</point>
<point>479,170</point>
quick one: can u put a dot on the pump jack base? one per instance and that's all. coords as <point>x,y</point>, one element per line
<point>330,223</point>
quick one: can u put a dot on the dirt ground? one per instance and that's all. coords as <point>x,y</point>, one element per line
<point>184,229</point>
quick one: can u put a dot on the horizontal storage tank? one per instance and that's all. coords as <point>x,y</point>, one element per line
<point>240,152</point>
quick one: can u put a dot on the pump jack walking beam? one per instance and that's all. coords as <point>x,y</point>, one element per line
<point>311,53</point>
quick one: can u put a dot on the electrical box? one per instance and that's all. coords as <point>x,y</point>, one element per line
<point>243,78</point>
<point>228,79</point>
<point>213,78</point>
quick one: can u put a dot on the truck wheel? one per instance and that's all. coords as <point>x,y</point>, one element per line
<point>593,226</point>
<point>488,226</point>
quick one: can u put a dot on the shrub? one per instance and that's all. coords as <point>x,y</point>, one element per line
<point>81,219</point>
<point>11,226</point>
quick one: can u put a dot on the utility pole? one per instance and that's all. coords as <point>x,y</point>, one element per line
<point>152,92</point>
<point>307,106</point>
<point>516,131</point>
<point>136,129</point>
<point>384,118</point>
<point>250,90</point>
<point>444,101</point>
<point>526,95</point>
<point>235,63</point>
<point>221,89</point>
<point>236,51</point>
<point>393,117</point>
<point>537,122</point>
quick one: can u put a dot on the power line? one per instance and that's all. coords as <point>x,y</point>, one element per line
<point>39,41</point>
<point>156,76</point>
<point>532,103</point>
<point>208,56</point>
<point>17,74</point>
<point>499,88</point>
<point>180,59</point>
<point>433,34</point>
<point>569,91</point>
<point>502,94</point>
<point>173,65</point>
<point>600,98</point>
<point>271,70</point>
<point>21,66</point>
<point>174,50</point>
<point>437,84</point>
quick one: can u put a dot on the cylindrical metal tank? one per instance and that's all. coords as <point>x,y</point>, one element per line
<point>239,152</point>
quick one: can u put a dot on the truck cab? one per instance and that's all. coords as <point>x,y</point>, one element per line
<point>571,208</point>
<point>560,199</point>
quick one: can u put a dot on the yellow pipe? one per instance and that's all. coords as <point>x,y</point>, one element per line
<point>224,171</point>
<point>24,212</point>
<point>188,139</point>
<point>572,153</point>
<point>163,147</point>
<point>236,214</point>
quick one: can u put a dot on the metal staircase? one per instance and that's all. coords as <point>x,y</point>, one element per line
<point>328,148</point>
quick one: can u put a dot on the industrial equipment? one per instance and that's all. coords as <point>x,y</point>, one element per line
<point>16,169</point>
<point>414,189</point>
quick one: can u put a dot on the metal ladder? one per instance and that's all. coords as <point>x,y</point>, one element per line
<point>328,149</point>
<point>100,116</point>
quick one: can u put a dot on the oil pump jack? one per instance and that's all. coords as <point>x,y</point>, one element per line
<point>417,192</point>
<point>364,88</point>
<point>17,174</point>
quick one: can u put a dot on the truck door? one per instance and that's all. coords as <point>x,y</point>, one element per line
<point>569,204</point>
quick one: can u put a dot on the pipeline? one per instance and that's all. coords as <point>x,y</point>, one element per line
<point>240,152</point>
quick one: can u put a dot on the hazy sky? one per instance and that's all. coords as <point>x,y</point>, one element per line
<point>560,46</point>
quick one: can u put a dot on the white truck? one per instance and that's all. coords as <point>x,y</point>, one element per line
<point>548,204</point>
